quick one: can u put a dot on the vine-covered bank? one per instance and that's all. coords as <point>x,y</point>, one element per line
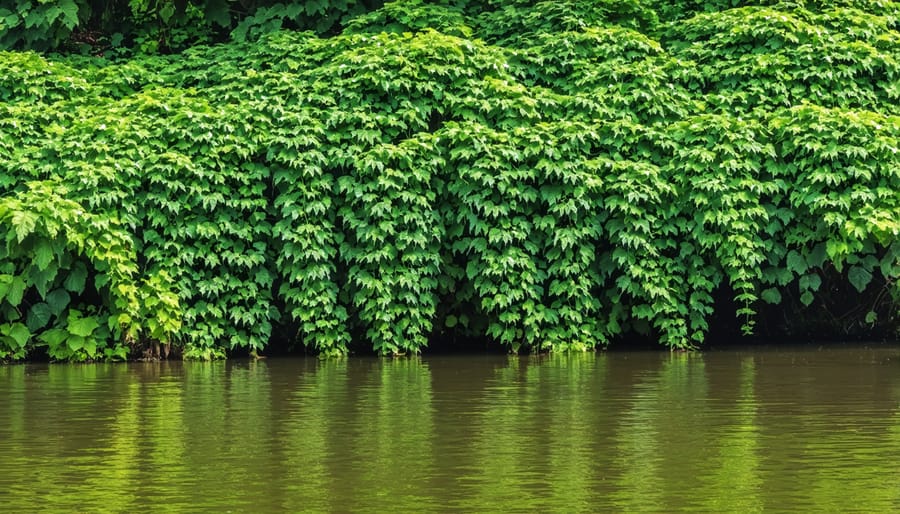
<point>550,175</point>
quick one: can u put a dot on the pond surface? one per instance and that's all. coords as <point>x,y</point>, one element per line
<point>810,430</point>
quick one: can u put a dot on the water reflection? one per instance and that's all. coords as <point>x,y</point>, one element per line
<point>388,453</point>
<point>728,431</point>
<point>733,473</point>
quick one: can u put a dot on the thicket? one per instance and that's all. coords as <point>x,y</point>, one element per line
<point>550,175</point>
<point>129,27</point>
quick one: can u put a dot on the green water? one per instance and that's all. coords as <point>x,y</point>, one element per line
<point>804,430</point>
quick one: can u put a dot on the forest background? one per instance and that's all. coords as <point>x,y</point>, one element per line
<point>229,176</point>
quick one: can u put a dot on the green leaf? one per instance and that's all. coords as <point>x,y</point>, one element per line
<point>871,317</point>
<point>810,282</point>
<point>75,342</point>
<point>451,321</point>
<point>771,295</point>
<point>472,269</point>
<point>16,291</point>
<point>76,278</point>
<point>837,251</point>
<point>100,280</point>
<point>43,279</point>
<point>315,7</point>
<point>891,259</point>
<point>24,223</point>
<point>11,20</point>
<point>806,298</point>
<point>54,337</point>
<point>19,333</point>
<point>70,13</point>
<point>83,327</point>
<point>37,17</point>
<point>117,353</point>
<point>90,346</point>
<point>58,300</point>
<point>166,13</point>
<point>43,254</point>
<point>796,262</point>
<point>818,255</point>
<point>5,283</point>
<point>859,277</point>
<point>217,11</point>
<point>38,316</point>
<point>263,277</point>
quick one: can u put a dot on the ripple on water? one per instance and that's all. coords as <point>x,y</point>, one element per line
<point>723,431</point>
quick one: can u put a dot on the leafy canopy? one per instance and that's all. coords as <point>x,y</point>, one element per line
<point>551,175</point>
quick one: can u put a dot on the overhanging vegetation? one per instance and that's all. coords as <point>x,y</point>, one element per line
<point>550,175</point>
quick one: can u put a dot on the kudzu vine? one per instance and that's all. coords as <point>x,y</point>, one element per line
<point>551,176</point>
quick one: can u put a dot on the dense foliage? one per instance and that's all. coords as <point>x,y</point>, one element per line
<point>123,27</point>
<point>550,175</point>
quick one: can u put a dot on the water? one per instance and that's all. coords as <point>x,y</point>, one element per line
<point>811,430</point>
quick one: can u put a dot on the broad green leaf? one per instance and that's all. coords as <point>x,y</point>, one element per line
<point>83,327</point>
<point>117,353</point>
<point>76,278</point>
<point>771,295</point>
<point>217,11</point>
<point>43,254</point>
<point>818,255</point>
<point>19,333</point>
<point>54,337</point>
<point>837,251</point>
<point>38,316</point>
<point>315,7</point>
<point>58,300</point>
<point>810,282</point>
<point>889,264</point>
<point>451,321</point>
<point>75,342</point>
<point>70,13</point>
<point>806,298</point>
<point>472,270</point>
<point>796,262</point>
<point>37,17</point>
<point>24,223</point>
<point>90,346</point>
<point>101,280</point>
<point>42,280</point>
<point>859,277</point>
<point>263,277</point>
<point>16,291</point>
<point>5,283</point>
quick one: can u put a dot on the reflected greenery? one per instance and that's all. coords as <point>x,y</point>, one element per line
<point>391,439</point>
<point>722,432</point>
<point>735,469</point>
